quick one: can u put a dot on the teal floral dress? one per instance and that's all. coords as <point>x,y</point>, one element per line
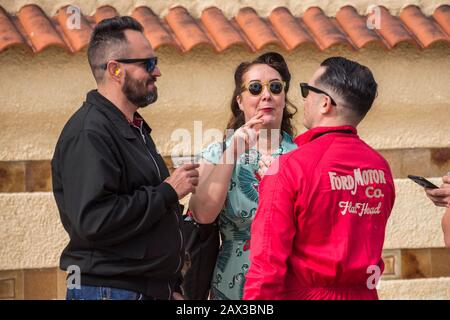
<point>236,217</point>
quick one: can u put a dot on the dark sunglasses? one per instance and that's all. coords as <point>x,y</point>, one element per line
<point>255,87</point>
<point>150,63</point>
<point>305,88</point>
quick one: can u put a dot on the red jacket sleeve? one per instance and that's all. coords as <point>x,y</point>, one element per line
<point>272,234</point>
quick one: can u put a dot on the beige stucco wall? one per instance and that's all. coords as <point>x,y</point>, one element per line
<point>34,237</point>
<point>414,222</point>
<point>419,289</point>
<point>31,234</point>
<point>229,7</point>
<point>38,94</point>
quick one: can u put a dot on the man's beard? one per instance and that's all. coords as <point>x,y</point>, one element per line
<point>137,91</point>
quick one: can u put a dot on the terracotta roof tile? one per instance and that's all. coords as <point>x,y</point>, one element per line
<point>289,28</point>
<point>255,28</point>
<point>356,27</point>
<point>322,27</point>
<point>153,28</point>
<point>38,28</point>
<point>424,29</point>
<point>221,30</point>
<point>442,16</point>
<point>392,29</point>
<point>104,12</point>
<point>32,28</point>
<point>186,29</point>
<point>9,35</point>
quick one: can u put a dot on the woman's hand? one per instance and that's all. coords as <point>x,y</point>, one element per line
<point>246,136</point>
<point>264,164</point>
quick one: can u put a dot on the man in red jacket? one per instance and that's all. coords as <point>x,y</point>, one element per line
<point>323,208</point>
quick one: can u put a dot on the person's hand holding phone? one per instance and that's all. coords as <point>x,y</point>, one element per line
<point>441,196</point>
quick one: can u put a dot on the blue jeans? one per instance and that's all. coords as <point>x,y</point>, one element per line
<point>103,293</point>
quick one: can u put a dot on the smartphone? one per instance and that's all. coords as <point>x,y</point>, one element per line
<point>421,181</point>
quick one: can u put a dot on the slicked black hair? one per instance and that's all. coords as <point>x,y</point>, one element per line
<point>353,82</point>
<point>108,38</point>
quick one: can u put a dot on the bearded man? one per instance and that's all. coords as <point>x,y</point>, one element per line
<point>114,194</point>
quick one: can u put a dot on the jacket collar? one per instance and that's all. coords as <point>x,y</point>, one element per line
<point>114,114</point>
<point>316,132</point>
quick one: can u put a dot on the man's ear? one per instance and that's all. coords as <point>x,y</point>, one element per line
<point>114,71</point>
<point>326,106</point>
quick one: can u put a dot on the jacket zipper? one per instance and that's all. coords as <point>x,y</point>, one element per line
<point>170,290</point>
<point>176,216</point>
<point>151,156</point>
<point>182,242</point>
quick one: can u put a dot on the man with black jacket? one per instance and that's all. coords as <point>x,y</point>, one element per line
<point>114,193</point>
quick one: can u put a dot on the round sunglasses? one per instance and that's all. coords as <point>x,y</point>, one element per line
<point>256,87</point>
<point>149,63</point>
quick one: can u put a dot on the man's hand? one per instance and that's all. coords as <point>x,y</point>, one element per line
<point>441,196</point>
<point>184,179</point>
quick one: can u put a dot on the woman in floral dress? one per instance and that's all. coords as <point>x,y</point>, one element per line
<point>259,130</point>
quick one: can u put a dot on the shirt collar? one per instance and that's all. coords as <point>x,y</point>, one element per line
<point>137,121</point>
<point>313,133</point>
